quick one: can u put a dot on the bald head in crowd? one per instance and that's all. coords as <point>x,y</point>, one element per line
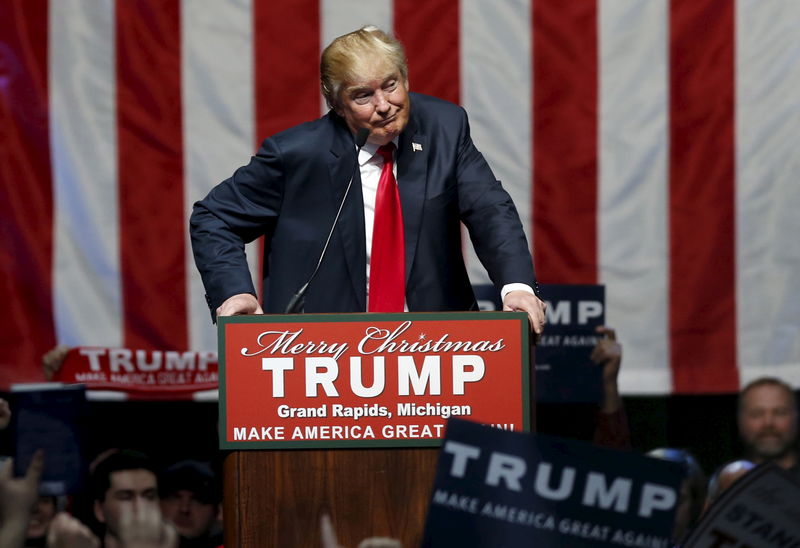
<point>768,423</point>
<point>725,476</point>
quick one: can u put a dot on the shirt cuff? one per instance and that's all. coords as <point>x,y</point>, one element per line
<point>508,288</point>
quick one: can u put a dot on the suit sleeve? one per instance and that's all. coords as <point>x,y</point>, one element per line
<point>236,212</point>
<point>490,217</point>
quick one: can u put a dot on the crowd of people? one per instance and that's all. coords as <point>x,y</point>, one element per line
<point>132,502</point>
<point>767,421</point>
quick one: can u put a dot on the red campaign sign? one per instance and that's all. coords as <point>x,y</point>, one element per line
<point>143,374</point>
<point>349,380</point>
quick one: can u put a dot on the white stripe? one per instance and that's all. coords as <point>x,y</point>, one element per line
<point>218,120</point>
<point>633,242</point>
<point>106,395</point>
<point>206,395</point>
<point>768,189</point>
<point>495,56</point>
<point>339,17</point>
<point>86,278</point>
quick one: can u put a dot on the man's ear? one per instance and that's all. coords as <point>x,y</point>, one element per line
<point>99,514</point>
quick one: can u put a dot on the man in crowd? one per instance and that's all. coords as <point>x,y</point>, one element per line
<point>397,244</point>
<point>125,494</point>
<point>43,512</point>
<point>768,423</point>
<point>611,424</point>
<point>191,499</point>
<point>725,476</point>
<point>17,499</point>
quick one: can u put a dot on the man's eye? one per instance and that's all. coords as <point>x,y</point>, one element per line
<point>391,85</point>
<point>362,98</point>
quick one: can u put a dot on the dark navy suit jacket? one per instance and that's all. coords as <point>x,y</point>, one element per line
<point>290,192</point>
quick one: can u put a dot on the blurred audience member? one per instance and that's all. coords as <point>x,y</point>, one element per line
<point>611,429</point>
<point>724,477</point>
<point>768,423</point>
<point>125,494</point>
<point>328,535</point>
<point>66,531</point>
<point>44,510</point>
<point>17,499</point>
<point>191,499</point>
<point>693,490</point>
<point>380,542</point>
<point>5,414</point>
<point>139,527</point>
<point>144,527</point>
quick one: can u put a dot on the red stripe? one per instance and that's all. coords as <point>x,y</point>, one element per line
<point>26,205</point>
<point>431,35</point>
<point>150,149</point>
<point>565,141</point>
<point>702,252</point>
<point>287,48</point>
<point>286,67</point>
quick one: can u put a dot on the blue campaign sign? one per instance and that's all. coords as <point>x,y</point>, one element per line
<point>564,372</point>
<point>503,489</point>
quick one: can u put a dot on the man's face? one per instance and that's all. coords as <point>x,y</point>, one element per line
<point>131,490</point>
<point>191,517</point>
<point>377,100</point>
<point>43,513</point>
<point>767,422</point>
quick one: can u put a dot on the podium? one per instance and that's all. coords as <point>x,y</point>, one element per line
<point>276,498</point>
<point>288,382</point>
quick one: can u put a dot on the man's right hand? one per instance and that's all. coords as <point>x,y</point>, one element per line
<point>66,531</point>
<point>144,527</point>
<point>243,303</point>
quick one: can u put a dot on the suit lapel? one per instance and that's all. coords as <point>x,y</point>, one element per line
<point>350,229</point>
<point>412,167</point>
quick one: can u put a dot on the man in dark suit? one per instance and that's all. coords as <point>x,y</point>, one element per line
<point>292,189</point>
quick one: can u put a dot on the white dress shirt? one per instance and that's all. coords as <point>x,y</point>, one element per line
<point>371,165</point>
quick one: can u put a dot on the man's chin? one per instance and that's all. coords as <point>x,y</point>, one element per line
<point>771,450</point>
<point>382,137</point>
<point>36,531</point>
<point>188,532</point>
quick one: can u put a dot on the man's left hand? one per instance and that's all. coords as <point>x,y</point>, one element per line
<point>522,301</point>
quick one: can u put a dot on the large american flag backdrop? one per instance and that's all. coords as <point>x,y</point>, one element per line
<point>650,145</point>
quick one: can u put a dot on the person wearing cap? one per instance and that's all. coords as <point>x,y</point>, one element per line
<point>191,499</point>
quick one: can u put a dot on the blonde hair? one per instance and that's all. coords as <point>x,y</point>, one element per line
<point>342,57</point>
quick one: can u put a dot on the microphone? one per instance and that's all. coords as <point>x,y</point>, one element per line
<point>298,299</point>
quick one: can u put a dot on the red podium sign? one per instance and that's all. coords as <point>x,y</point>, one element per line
<point>354,380</point>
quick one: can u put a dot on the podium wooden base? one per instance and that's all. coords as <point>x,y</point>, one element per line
<point>276,498</point>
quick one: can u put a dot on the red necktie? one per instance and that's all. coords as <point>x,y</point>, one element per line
<point>387,287</point>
